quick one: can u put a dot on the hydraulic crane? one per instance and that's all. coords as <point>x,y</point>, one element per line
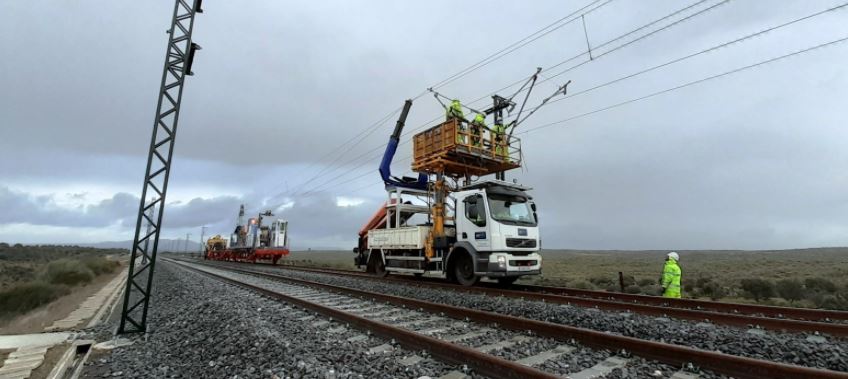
<point>488,228</point>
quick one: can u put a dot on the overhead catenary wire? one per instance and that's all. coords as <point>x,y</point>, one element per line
<point>654,22</point>
<point>576,15</point>
<point>668,90</point>
<point>688,84</point>
<point>604,44</point>
<point>361,137</point>
<point>547,79</point>
<point>493,57</point>
<point>704,51</point>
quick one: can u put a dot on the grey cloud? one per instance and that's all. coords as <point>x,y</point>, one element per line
<point>751,160</point>
<point>20,207</point>
<point>121,210</point>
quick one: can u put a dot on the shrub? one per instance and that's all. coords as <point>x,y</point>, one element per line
<point>790,289</point>
<point>601,281</point>
<point>633,289</point>
<point>653,289</point>
<point>688,285</point>
<point>628,280</point>
<point>100,265</point>
<point>4,245</point>
<point>820,285</point>
<point>24,297</point>
<point>583,285</point>
<point>646,282</point>
<point>830,302</point>
<point>703,282</point>
<point>612,288</point>
<point>758,289</point>
<point>68,272</point>
<point>713,290</point>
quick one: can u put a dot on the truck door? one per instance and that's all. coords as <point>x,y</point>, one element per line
<point>472,223</point>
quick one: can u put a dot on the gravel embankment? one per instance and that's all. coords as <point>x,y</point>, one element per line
<point>525,345</point>
<point>200,327</point>
<point>780,347</point>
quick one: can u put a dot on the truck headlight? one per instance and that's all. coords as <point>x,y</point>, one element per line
<point>502,261</point>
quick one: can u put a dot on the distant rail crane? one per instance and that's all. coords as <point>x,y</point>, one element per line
<point>251,241</point>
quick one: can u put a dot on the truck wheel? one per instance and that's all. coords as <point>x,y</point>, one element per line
<point>464,271</point>
<point>504,282</point>
<point>377,266</point>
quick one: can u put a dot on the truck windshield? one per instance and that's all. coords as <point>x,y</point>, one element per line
<point>511,210</point>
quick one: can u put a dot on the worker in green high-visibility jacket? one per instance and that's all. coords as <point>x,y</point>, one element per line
<point>501,147</point>
<point>454,111</point>
<point>477,127</point>
<point>671,276</point>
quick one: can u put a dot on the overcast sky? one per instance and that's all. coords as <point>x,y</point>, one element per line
<point>752,160</point>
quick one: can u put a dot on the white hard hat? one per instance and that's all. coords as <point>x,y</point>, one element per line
<point>673,255</point>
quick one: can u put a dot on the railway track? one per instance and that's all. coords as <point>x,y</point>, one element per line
<point>796,320</point>
<point>416,323</point>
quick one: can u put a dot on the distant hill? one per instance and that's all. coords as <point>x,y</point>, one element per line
<point>164,245</point>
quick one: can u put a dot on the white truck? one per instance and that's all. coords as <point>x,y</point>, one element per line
<point>491,230</point>
<point>433,224</point>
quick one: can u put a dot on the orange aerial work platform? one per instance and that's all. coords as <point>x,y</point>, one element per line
<point>454,149</point>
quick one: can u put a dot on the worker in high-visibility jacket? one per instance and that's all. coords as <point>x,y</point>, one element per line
<point>477,127</point>
<point>671,276</point>
<point>499,135</point>
<point>454,111</point>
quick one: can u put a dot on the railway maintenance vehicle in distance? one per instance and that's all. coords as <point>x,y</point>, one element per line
<point>251,241</point>
<point>443,222</point>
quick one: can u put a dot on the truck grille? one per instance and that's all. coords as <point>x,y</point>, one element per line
<point>520,242</point>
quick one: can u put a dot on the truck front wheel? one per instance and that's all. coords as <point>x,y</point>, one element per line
<point>376,265</point>
<point>464,271</point>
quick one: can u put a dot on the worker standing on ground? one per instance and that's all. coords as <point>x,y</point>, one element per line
<point>477,127</point>
<point>499,134</point>
<point>671,276</point>
<point>454,110</point>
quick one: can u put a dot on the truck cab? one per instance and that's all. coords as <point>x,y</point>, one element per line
<point>491,231</point>
<point>497,228</point>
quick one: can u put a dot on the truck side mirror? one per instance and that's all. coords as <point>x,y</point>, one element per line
<point>356,250</point>
<point>533,208</point>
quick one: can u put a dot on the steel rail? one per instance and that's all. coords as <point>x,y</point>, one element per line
<point>485,364</point>
<point>804,314</point>
<point>677,355</point>
<point>724,318</point>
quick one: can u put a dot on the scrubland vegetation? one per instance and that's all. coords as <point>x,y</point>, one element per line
<point>816,278</point>
<point>31,276</point>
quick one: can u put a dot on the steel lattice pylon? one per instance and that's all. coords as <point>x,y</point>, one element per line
<point>178,60</point>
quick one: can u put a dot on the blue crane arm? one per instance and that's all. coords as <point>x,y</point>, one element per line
<point>389,155</point>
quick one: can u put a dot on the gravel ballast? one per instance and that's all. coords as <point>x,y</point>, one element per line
<point>774,346</point>
<point>201,327</point>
